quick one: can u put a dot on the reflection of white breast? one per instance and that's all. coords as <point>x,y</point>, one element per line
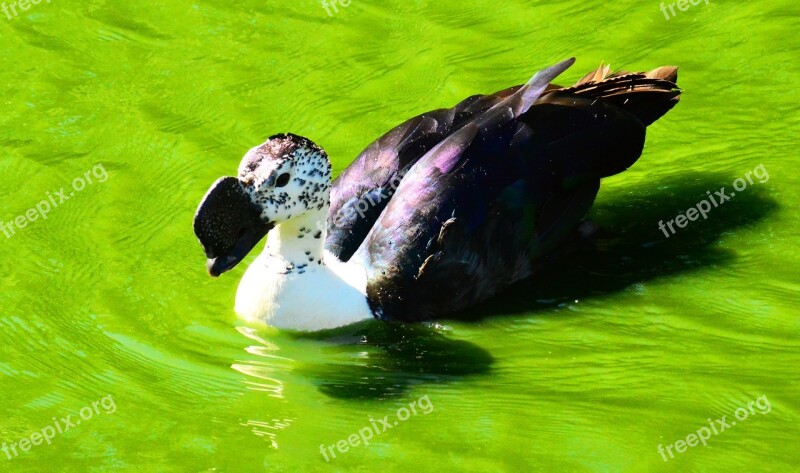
<point>322,297</point>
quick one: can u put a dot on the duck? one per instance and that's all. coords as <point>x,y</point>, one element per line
<point>438,214</point>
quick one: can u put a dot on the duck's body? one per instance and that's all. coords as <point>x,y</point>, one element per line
<point>296,284</point>
<point>438,214</point>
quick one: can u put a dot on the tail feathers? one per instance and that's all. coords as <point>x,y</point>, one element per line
<point>667,73</point>
<point>647,95</point>
<point>596,76</point>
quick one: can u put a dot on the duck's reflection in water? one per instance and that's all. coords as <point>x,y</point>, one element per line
<point>263,370</point>
<point>268,430</point>
<point>372,360</point>
<point>260,377</point>
<point>377,360</point>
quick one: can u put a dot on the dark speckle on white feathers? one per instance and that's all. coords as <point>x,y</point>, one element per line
<point>286,154</point>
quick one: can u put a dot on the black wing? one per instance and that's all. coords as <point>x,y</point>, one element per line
<point>477,211</point>
<point>362,191</point>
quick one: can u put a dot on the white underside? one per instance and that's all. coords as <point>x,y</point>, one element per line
<point>323,297</point>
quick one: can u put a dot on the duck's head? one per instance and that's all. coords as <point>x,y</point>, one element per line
<point>284,178</point>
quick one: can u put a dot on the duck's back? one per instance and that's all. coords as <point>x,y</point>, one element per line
<point>481,199</point>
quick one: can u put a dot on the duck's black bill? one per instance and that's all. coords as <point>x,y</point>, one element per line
<point>228,225</point>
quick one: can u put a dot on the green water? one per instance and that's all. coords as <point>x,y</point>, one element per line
<point>627,345</point>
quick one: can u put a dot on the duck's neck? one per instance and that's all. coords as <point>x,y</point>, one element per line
<point>295,284</point>
<point>300,241</point>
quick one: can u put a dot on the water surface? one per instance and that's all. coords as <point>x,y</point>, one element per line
<point>627,345</point>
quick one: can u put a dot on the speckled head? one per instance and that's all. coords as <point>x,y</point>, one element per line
<point>285,177</point>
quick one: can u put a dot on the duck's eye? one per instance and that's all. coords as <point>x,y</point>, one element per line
<point>282,180</point>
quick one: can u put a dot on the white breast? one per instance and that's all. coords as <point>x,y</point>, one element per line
<point>322,297</point>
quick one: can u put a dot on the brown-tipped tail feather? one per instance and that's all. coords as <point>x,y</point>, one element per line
<point>647,95</point>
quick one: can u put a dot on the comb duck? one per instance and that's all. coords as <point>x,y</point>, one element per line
<point>438,214</point>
